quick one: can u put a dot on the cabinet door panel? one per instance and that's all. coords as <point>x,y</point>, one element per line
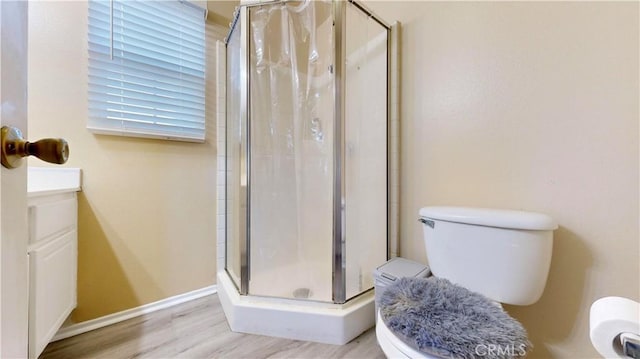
<point>52,289</point>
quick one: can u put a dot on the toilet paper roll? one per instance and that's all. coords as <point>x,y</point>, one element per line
<point>609,317</point>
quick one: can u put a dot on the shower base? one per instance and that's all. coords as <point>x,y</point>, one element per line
<point>295,319</point>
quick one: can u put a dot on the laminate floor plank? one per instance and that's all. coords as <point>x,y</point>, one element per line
<point>197,329</point>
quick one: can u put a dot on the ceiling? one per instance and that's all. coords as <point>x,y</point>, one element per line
<point>221,11</point>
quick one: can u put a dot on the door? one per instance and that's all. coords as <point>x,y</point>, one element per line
<point>13,191</point>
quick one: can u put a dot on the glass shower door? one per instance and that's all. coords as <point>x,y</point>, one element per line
<point>365,157</point>
<point>235,155</point>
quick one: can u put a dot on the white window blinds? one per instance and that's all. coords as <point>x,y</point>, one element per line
<point>147,69</point>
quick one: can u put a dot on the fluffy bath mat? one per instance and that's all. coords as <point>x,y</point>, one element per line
<point>443,319</point>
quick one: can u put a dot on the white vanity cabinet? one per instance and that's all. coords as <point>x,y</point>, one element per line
<point>53,258</point>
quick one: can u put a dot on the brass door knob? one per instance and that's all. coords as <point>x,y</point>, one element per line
<point>14,147</point>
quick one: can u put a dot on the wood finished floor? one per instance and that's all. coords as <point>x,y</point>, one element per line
<point>197,329</point>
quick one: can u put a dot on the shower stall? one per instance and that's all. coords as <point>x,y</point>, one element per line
<point>306,163</point>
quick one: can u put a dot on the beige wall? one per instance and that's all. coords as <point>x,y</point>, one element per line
<point>147,209</point>
<point>529,106</point>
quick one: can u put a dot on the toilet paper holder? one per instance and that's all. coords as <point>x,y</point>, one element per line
<point>630,345</point>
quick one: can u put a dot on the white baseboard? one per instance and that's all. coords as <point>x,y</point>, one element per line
<point>93,324</point>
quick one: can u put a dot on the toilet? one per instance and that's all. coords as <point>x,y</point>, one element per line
<point>502,254</point>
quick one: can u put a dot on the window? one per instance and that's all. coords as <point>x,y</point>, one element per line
<point>147,69</point>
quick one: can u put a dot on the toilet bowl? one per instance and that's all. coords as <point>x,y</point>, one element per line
<point>391,345</point>
<point>502,254</point>
<point>394,347</point>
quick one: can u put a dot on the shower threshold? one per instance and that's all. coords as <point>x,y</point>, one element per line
<point>296,319</point>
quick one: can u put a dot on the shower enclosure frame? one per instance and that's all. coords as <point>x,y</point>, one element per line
<point>342,319</point>
<point>338,269</point>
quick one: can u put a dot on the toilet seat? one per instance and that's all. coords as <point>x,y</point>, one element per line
<point>392,346</point>
<point>434,318</point>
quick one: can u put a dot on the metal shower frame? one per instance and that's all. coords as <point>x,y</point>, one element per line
<point>339,13</point>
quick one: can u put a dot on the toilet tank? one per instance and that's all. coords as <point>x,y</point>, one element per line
<point>502,254</point>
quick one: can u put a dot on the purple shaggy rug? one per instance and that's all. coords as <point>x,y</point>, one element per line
<point>449,321</point>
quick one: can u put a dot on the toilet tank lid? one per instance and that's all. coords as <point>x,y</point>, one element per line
<point>501,218</point>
